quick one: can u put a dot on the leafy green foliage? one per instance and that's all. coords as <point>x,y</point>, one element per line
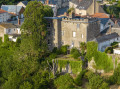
<point>48,11</point>
<point>75,53</point>
<point>64,49</point>
<point>83,47</point>
<point>79,78</point>
<point>115,78</point>
<point>91,50</point>
<point>96,82</point>
<point>102,60</point>
<point>109,50</point>
<point>64,82</point>
<point>76,66</point>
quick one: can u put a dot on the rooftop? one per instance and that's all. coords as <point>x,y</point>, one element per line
<point>100,15</point>
<point>8,25</point>
<point>82,4</point>
<point>106,37</point>
<point>2,11</point>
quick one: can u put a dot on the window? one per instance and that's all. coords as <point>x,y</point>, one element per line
<point>72,45</point>
<point>82,35</point>
<point>48,42</point>
<point>78,26</point>
<point>117,39</point>
<point>49,33</point>
<point>74,34</point>
<point>9,30</point>
<point>48,25</point>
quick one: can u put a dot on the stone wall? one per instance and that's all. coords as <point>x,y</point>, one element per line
<point>2,33</point>
<point>117,30</point>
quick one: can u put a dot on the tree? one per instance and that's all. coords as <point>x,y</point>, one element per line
<point>83,47</point>
<point>48,11</point>
<point>34,41</point>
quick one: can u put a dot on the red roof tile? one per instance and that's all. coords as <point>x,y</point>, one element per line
<point>2,11</point>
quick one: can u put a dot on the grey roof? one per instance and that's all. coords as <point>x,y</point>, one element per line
<point>11,8</point>
<point>106,37</point>
<point>82,4</point>
<point>54,17</point>
<point>104,20</point>
<point>25,2</point>
<point>61,11</point>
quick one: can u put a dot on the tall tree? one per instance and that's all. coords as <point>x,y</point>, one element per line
<point>34,30</point>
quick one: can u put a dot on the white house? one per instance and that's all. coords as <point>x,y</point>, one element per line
<point>12,30</point>
<point>117,50</point>
<point>4,16</point>
<point>106,40</point>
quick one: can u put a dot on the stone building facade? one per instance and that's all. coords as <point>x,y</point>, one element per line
<point>71,31</point>
<point>86,7</point>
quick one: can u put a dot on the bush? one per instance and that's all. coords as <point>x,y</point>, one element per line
<point>96,82</point>
<point>109,50</point>
<point>114,43</point>
<point>64,49</point>
<point>115,78</point>
<point>75,53</point>
<point>64,82</point>
<point>53,56</point>
<point>78,80</point>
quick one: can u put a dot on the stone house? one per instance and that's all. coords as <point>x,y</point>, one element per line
<point>85,7</point>
<point>71,31</point>
<point>18,10</point>
<point>11,29</point>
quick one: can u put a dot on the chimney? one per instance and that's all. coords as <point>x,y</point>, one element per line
<point>47,1</point>
<point>18,21</point>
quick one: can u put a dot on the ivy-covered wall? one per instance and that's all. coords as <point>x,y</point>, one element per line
<point>75,66</point>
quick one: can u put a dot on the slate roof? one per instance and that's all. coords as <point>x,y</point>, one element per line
<point>82,4</point>
<point>11,8</point>
<point>8,25</point>
<point>104,20</point>
<point>106,37</point>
